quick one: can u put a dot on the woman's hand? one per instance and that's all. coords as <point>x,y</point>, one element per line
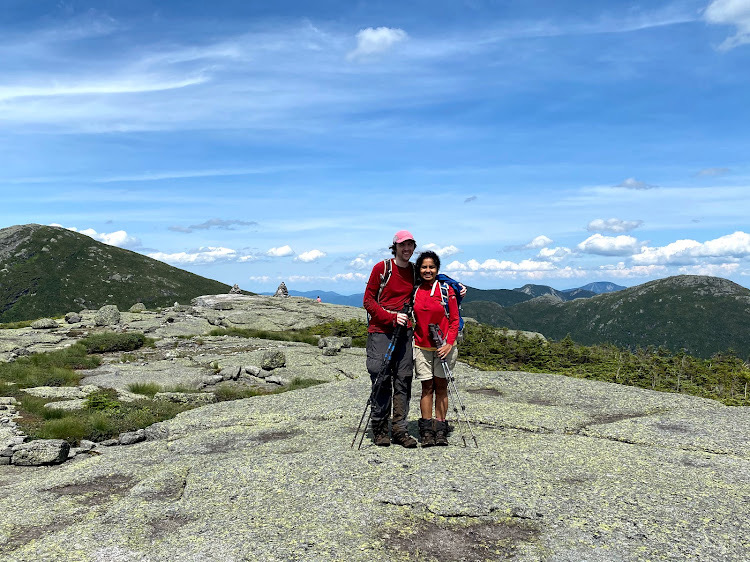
<point>444,350</point>
<point>401,319</point>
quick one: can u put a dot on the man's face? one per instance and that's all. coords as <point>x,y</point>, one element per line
<point>405,249</point>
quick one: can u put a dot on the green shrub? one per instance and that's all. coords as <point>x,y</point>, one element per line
<point>145,388</point>
<point>101,400</point>
<point>70,428</point>
<point>103,342</point>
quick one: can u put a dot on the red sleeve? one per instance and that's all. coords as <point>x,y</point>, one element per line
<point>453,320</point>
<point>378,314</point>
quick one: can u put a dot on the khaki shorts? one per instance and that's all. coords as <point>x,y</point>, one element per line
<point>427,364</point>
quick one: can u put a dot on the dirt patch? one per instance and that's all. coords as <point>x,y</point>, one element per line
<point>485,391</point>
<point>602,419</point>
<point>497,540</point>
<point>168,525</point>
<point>271,436</point>
<point>674,427</point>
<point>23,535</point>
<point>538,401</point>
<point>96,491</point>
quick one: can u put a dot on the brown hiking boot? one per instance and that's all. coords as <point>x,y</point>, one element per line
<point>426,433</point>
<point>380,433</point>
<point>404,439</point>
<point>441,432</point>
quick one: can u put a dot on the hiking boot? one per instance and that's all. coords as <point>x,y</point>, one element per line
<point>426,433</point>
<point>441,431</point>
<point>404,439</point>
<point>380,433</point>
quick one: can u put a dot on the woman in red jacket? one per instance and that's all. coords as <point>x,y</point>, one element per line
<point>429,309</point>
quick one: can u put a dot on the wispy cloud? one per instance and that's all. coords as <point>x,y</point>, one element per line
<point>374,41</point>
<point>731,12</point>
<point>612,225</point>
<point>632,183</point>
<point>470,199</point>
<point>220,224</point>
<point>712,172</point>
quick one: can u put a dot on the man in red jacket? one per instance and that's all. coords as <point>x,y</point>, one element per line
<point>390,286</point>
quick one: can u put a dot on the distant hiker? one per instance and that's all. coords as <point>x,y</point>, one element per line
<point>429,309</point>
<point>389,288</point>
<point>318,299</point>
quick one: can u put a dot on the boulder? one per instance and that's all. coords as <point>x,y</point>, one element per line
<point>230,373</point>
<point>40,452</point>
<point>44,324</point>
<point>131,437</point>
<point>73,318</point>
<point>137,307</point>
<point>273,359</point>
<point>108,315</point>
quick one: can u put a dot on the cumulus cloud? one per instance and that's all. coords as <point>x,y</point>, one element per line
<point>201,256</point>
<point>621,271</point>
<point>632,183</point>
<point>213,223</point>
<point>119,238</point>
<point>731,12</point>
<point>352,276</point>
<point>688,252</point>
<point>539,242</point>
<point>444,252</point>
<point>280,252</point>
<point>312,255</point>
<point>554,254</point>
<point>610,245</point>
<point>497,265</point>
<point>712,172</point>
<point>373,41</point>
<point>361,262</point>
<point>612,225</point>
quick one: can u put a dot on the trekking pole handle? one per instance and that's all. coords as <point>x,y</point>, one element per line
<point>436,335</point>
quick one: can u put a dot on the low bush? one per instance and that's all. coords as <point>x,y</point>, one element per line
<point>145,388</point>
<point>102,342</point>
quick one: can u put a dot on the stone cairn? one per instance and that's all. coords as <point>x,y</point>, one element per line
<point>281,291</point>
<point>235,290</point>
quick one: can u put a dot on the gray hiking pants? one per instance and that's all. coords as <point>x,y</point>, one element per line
<point>396,388</point>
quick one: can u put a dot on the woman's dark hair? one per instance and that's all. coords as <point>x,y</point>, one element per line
<point>427,254</point>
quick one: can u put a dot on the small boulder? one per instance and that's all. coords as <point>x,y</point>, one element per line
<point>40,452</point>
<point>131,437</point>
<point>273,359</point>
<point>194,398</point>
<point>275,379</point>
<point>108,315</point>
<point>73,318</point>
<point>137,307</point>
<point>230,373</point>
<point>44,324</point>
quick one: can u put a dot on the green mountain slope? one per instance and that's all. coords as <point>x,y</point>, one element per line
<point>701,314</point>
<point>503,297</point>
<point>48,271</point>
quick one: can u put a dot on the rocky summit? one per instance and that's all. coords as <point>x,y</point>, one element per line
<point>565,470</point>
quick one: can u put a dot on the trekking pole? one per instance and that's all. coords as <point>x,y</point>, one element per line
<point>383,374</point>
<point>437,337</point>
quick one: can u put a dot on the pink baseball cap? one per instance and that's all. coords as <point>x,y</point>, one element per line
<point>403,236</point>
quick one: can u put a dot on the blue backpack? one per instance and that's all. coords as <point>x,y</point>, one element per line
<point>446,282</point>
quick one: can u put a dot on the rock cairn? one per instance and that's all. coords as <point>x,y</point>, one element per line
<point>235,290</point>
<point>281,291</point>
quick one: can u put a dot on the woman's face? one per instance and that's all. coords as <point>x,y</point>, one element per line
<point>428,270</point>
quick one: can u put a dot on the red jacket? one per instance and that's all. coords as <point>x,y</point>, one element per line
<point>429,309</point>
<point>396,293</point>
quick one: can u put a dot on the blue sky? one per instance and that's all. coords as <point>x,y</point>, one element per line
<point>552,142</point>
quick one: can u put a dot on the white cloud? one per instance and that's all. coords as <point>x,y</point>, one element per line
<point>206,255</point>
<point>554,254</point>
<point>612,225</point>
<point>610,245</point>
<point>444,252</point>
<point>260,278</point>
<point>632,183</point>
<point>280,252</point>
<point>621,271</point>
<point>688,252</point>
<point>731,12</point>
<point>496,265</point>
<point>712,172</point>
<point>350,277</point>
<point>538,242</point>
<point>373,41</point>
<point>312,255</point>
<point>119,238</point>
<point>712,269</point>
<point>361,262</point>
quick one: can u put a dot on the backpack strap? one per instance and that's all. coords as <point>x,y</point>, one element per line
<point>444,297</point>
<point>384,277</point>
